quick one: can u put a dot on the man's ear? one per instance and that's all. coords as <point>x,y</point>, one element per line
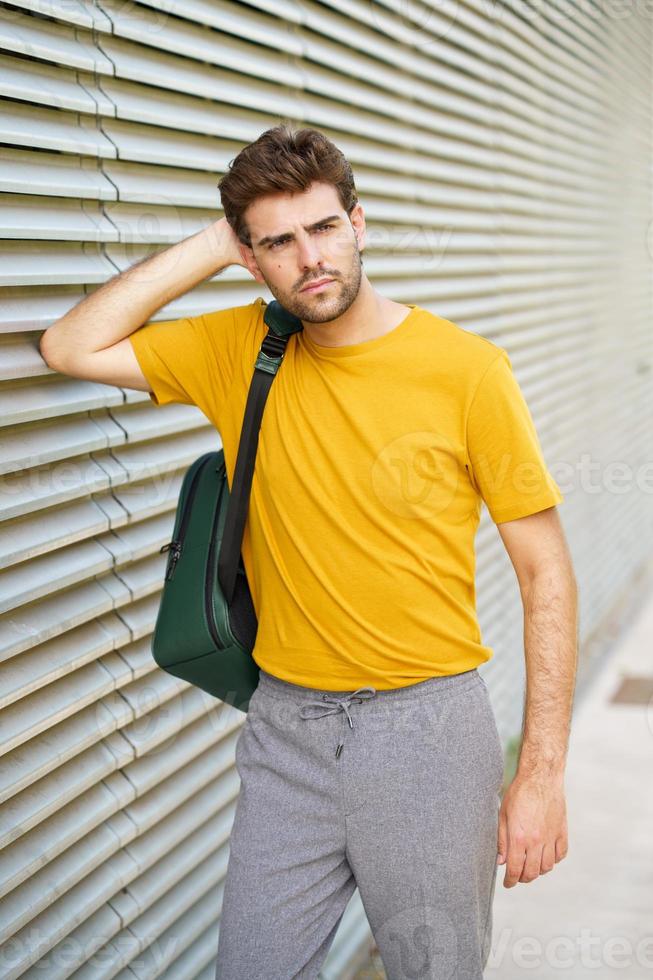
<point>357,219</point>
<point>251,263</point>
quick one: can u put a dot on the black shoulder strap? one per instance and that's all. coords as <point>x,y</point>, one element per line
<point>281,324</point>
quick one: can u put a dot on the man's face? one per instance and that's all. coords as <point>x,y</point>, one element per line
<point>299,239</point>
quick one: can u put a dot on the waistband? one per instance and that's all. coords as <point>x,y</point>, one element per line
<point>444,686</point>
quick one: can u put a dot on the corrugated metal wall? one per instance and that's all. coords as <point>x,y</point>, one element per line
<point>503,158</point>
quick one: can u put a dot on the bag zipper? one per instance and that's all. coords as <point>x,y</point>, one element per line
<point>175,546</point>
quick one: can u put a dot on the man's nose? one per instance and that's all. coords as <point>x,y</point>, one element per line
<point>308,253</point>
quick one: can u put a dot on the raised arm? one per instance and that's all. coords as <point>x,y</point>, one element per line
<point>91,340</point>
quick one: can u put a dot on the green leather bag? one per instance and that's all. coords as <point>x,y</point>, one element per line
<point>206,624</point>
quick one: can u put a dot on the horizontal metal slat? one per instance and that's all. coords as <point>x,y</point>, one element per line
<point>37,803</point>
<point>51,174</point>
<point>84,878</point>
<point>24,628</point>
<point>32,445</point>
<point>197,962</point>
<point>468,46</point>
<point>165,224</point>
<point>50,85</point>
<point>50,40</point>
<point>174,187</point>
<point>61,957</point>
<point>60,219</point>
<point>29,492</point>
<point>25,765</point>
<point>406,73</point>
<point>145,576</point>
<point>138,654</point>
<point>205,46</point>
<point>191,724</point>
<point>180,100</point>
<point>83,13</point>
<point>149,498</point>
<point>49,662</point>
<point>162,458</point>
<point>44,708</point>
<point>30,581</point>
<point>154,144</point>
<point>136,541</point>
<point>175,926</point>
<point>53,398</point>
<point>140,618</point>
<point>52,129</point>
<point>160,25</point>
<point>200,840</point>
<point>37,534</point>
<point>21,359</point>
<point>72,822</point>
<point>77,946</point>
<point>201,823</point>
<point>56,922</point>
<point>25,309</point>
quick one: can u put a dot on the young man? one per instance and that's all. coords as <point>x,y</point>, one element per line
<point>370,755</point>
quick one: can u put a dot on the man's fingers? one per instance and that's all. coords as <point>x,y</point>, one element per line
<point>515,860</point>
<point>548,858</point>
<point>502,838</point>
<point>532,864</point>
<point>561,848</point>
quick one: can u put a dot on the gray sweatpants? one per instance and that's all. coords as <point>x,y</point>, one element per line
<point>393,791</point>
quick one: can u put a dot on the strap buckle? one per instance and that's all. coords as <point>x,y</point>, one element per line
<point>271,353</point>
<point>273,345</point>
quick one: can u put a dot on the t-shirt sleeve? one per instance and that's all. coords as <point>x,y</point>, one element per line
<point>507,466</point>
<point>189,360</point>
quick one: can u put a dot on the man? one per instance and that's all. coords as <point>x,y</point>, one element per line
<point>370,755</point>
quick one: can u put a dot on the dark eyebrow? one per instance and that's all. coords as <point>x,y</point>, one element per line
<point>289,234</point>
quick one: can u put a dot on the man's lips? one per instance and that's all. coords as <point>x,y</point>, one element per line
<point>315,285</point>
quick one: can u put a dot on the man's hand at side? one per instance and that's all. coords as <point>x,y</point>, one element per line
<point>532,827</point>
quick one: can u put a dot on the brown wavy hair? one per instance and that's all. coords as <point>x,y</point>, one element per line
<point>283,160</point>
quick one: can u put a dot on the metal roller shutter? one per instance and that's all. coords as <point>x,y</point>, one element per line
<point>503,158</point>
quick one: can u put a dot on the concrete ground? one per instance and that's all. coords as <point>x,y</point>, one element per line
<point>592,915</point>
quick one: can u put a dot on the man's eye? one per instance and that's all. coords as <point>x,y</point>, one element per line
<point>283,242</point>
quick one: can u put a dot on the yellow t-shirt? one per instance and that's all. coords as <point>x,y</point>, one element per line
<point>372,462</point>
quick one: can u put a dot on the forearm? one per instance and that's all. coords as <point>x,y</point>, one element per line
<point>129,299</point>
<point>550,642</point>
